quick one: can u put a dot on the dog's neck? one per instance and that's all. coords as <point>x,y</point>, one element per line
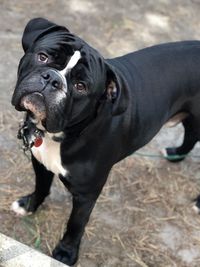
<point>75,130</point>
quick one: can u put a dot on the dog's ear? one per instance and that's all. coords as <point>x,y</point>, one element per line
<point>36,28</point>
<point>116,91</point>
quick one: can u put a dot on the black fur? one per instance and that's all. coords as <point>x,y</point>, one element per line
<point>152,85</point>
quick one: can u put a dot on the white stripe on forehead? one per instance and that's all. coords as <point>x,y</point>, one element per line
<point>72,62</point>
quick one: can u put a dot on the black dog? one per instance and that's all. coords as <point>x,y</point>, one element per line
<point>85,113</point>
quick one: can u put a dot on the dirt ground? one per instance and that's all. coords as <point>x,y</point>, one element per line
<point>143,216</point>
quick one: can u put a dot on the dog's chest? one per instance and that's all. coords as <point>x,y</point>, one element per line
<point>48,153</point>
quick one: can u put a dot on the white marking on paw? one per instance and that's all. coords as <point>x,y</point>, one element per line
<point>196,209</point>
<point>17,209</point>
<point>164,153</point>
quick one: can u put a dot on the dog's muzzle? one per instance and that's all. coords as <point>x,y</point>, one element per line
<point>34,103</point>
<point>52,78</point>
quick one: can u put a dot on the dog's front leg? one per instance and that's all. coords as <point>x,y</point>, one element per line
<point>43,180</point>
<point>67,249</point>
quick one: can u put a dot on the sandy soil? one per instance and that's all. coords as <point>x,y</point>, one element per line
<point>144,216</point>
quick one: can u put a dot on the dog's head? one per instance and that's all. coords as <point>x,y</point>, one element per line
<point>61,79</point>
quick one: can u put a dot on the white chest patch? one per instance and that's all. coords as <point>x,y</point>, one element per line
<point>48,153</point>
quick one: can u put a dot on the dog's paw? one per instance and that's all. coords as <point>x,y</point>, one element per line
<point>170,153</point>
<point>65,254</point>
<point>19,210</point>
<point>25,205</point>
<point>196,206</point>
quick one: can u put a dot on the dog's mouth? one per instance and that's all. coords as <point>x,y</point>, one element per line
<point>34,103</point>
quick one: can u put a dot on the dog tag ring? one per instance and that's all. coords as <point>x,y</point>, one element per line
<point>38,138</point>
<point>30,135</point>
<point>38,141</point>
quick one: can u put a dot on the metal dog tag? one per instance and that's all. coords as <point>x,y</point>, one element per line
<point>30,135</point>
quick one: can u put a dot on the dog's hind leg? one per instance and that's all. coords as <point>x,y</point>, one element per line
<point>43,180</point>
<point>191,136</point>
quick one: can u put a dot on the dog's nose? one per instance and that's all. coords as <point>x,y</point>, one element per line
<point>50,76</point>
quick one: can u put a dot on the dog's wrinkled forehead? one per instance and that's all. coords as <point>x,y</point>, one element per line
<point>43,35</point>
<point>37,30</point>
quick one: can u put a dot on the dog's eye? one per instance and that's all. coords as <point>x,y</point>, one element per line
<point>42,58</point>
<point>80,87</point>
